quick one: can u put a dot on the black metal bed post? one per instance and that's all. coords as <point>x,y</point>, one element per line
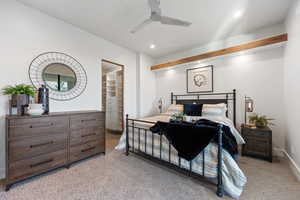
<point>127,136</point>
<point>220,190</point>
<point>234,107</point>
<point>172,97</point>
<point>226,105</point>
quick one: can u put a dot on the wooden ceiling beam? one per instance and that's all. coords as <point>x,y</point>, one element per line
<point>234,49</point>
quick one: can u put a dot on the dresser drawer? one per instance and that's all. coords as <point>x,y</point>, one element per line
<point>37,126</point>
<point>29,167</point>
<point>30,147</point>
<point>81,136</point>
<point>87,120</point>
<point>85,150</point>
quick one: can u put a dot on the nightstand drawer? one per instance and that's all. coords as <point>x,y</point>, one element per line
<point>256,147</point>
<point>258,143</point>
<point>256,134</point>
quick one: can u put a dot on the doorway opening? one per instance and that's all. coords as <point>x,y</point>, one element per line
<point>113,101</point>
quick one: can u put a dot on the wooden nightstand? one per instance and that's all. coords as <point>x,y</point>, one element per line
<point>258,142</point>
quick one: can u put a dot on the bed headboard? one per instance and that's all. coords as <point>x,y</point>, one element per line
<point>210,98</point>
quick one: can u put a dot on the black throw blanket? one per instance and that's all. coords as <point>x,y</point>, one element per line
<point>189,139</point>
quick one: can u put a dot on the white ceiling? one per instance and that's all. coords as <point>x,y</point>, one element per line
<point>212,20</point>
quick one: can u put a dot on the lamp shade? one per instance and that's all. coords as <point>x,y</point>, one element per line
<point>249,104</point>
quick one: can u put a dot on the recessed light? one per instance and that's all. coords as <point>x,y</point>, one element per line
<point>238,14</point>
<point>152,46</point>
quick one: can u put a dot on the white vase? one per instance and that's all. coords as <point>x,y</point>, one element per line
<point>35,109</point>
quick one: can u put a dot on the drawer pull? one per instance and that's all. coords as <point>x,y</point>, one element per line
<point>88,120</point>
<point>39,145</point>
<point>91,134</point>
<point>88,149</point>
<point>41,163</point>
<point>41,126</point>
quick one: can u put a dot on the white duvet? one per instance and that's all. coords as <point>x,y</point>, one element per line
<point>233,177</point>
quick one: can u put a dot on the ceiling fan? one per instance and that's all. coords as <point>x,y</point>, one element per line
<point>156,16</point>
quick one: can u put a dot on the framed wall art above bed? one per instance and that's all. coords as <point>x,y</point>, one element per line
<point>200,79</point>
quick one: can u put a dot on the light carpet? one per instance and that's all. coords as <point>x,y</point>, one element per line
<point>118,177</point>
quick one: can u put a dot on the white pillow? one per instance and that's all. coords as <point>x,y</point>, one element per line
<point>214,109</point>
<point>174,109</point>
<point>191,118</point>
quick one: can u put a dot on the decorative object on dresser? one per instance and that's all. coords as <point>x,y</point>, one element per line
<point>35,109</point>
<point>249,106</point>
<point>258,142</point>
<point>61,73</point>
<point>43,98</point>
<point>37,144</point>
<point>200,79</point>
<point>20,97</point>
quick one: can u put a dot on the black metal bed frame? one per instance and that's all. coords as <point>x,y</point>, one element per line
<point>184,99</point>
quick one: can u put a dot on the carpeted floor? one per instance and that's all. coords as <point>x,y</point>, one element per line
<point>117,177</point>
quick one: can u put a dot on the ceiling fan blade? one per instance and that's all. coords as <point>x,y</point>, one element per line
<point>173,21</point>
<point>154,6</point>
<point>140,26</point>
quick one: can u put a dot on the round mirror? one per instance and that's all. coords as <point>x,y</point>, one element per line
<point>62,74</point>
<point>59,77</point>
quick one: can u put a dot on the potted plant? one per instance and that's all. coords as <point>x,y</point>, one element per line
<point>19,94</point>
<point>177,117</point>
<point>260,121</point>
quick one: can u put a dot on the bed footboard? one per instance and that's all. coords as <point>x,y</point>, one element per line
<point>137,149</point>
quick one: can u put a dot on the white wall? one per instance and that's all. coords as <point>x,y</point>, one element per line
<point>147,86</point>
<point>292,86</point>
<point>257,74</point>
<point>25,33</point>
<point>229,42</point>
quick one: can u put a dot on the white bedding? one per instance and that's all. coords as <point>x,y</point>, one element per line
<point>233,178</point>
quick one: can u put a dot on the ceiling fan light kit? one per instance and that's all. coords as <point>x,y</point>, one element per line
<point>156,16</point>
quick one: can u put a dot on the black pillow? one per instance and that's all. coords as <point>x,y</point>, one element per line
<point>192,109</point>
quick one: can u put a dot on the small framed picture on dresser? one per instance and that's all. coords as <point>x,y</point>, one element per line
<point>200,79</point>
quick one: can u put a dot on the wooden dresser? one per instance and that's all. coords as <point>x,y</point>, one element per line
<point>258,142</point>
<point>37,144</point>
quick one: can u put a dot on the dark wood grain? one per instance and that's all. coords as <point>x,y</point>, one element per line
<point>32,166</point>
<point>258,143</point>
<point>37,144</point>
<point>85,150</point>
<point>30,147</point>
<point>53,114</point>
<point>81,136</point>
<point>86,120</point>
<point>35,127</point>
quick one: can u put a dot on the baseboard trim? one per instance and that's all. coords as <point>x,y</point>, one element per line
<point>295,168</point>
<point>278,152</point>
